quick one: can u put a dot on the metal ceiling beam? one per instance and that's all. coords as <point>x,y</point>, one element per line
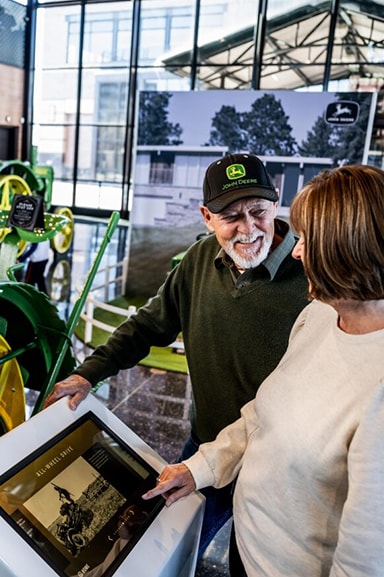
<point>257,38</point>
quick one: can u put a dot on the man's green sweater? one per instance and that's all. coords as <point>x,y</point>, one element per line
<point>235,331</point>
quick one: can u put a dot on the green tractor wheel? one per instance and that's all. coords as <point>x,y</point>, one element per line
<point>12,395</point>
<point>31,338</point>
<point>31,325</point>
<point>21,170</point>
<point>11,184</point>
<point>63,239</point>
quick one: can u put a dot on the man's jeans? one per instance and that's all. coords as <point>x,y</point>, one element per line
<point>218,504</point>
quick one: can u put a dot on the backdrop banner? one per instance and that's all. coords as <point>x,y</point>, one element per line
<point>296,134</point>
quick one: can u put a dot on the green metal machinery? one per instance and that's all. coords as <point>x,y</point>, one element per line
<point>35,343</point>
<point>30,178</point>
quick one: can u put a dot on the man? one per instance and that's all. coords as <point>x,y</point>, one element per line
<point>234,296</point>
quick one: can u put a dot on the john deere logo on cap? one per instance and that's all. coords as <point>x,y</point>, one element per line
<point>235,171</point>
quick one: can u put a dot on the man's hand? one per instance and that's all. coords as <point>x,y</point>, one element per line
<point>174,482</point>
<point>74,386</point>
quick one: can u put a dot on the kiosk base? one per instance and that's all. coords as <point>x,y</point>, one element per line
<point>70,501</point>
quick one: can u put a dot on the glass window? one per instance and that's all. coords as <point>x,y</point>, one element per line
<point>102,109</point>
<point>55,96</point>
<point>98,196</point>
<point>57,37</point>
<point>101,153</point>
<point>87,95</point>
<point>112,100</point>
<point>100,89</point>
<point>295,47</point>
<point>165,29</point>
<point>55,143</point>
<point>358,51</point>
<point>220,19</point>
<point>107,36</point>
<point>62,193</point>
<point>72,48</point>
<point>58,1</point>
<point>226,44</point>
<point>98,39</point>
<point>103,117</point>
<point>160,79</point>
<point>109,153</point>
<point>55,92</point>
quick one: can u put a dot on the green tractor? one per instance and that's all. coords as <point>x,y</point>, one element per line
<point>29,178</point>
<point>35,343</point>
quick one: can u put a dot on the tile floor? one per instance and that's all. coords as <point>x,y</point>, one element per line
<point>154,403</point>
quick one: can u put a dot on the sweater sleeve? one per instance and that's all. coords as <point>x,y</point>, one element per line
<point>155,324</point>
<point>360,547</point>
<point>218,463</point>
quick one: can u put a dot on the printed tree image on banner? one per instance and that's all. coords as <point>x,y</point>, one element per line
<point>296,134</point>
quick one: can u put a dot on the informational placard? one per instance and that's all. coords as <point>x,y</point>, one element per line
<point>26,212</point>
<point>77,499</point>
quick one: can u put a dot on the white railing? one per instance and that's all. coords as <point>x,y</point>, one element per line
<point>108,281</point>
<point>90,321</point>
<point>110,278</point>
<point>92,302</point>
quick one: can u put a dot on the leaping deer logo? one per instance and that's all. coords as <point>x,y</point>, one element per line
<point>235,171</point>
<point>341,110</point>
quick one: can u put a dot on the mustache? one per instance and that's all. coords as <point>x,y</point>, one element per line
<point>247,238</point>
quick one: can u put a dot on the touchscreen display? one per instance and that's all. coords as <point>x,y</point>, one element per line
<point>77,499</point>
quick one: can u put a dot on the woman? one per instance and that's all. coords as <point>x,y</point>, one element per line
<point>309,450</point>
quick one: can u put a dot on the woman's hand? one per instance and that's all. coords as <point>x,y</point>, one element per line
<point>74,386</point>
<point>174,482</point>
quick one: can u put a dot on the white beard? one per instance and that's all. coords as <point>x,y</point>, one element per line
<point>254,258</point>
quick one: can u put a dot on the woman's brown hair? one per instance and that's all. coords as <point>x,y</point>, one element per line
<point>340,214</point>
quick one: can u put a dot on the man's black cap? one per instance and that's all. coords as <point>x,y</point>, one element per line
<point>235,177</point>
